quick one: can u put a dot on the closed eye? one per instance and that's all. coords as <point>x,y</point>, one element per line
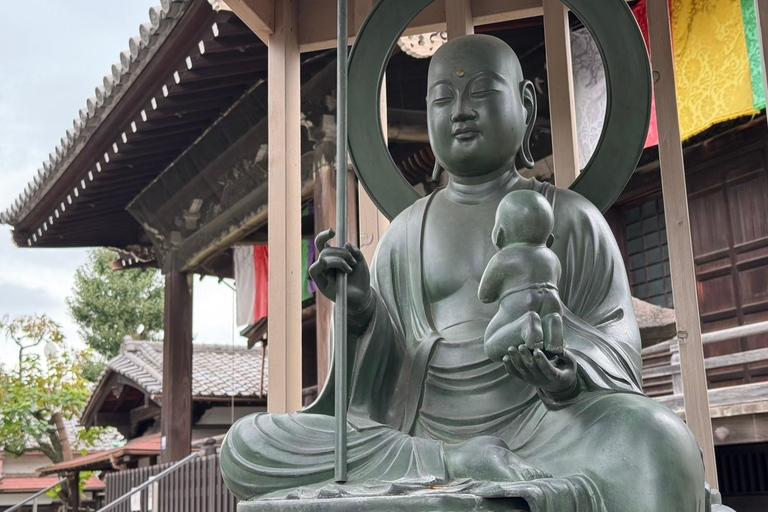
<point>442,93</point>
<point>483,93</point>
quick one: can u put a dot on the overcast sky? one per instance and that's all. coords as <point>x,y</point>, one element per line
<point>50,62</point>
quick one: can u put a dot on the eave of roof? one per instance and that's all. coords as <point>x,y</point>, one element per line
<point>144,446</point>
<point>141,49</point>
<point>11,484</point>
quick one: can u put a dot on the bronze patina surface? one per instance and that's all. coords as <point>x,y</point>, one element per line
<point>559,423</point>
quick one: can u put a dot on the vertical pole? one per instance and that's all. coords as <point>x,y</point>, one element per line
<point>372,223</point>
<point>340,319</point>
<point>761,10</point>
<point>679,236</point>
<point>75,488</point>
<point>284,115</point>
<point>176,419</point>
<point>562,109</point>
<point>458,18</point>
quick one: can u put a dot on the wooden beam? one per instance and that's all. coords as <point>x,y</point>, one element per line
<point>258,15</point>
<point>317,27</point>
<point>761,9</point>
<point>562,105</point>
<point>458,18</point>
<point>176,422</point>
<point>678,222</point>
<point>284,116</point>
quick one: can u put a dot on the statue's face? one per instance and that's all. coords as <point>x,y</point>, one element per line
<point>475,114</point>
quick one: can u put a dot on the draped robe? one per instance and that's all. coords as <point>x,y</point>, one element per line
<point>413,389</point>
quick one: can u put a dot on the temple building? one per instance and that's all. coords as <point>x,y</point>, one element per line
<point>168,165</point>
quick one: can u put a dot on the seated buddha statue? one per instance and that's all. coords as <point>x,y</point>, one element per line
<point>427,407</point>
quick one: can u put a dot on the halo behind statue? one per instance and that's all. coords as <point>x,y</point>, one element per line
<point>628,109</point>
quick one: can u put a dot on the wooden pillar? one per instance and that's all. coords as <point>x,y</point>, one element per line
<point>562,109</point>
<point>74,487</point>
<point>325,218</point>
<point>284,113</point>
<point>372,223</point>
<point>761,9</point>
<point>458,18</point>
<point>176,420</point>
<point>679,236</point>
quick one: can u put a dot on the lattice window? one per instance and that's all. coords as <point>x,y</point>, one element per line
<point>647,256</point>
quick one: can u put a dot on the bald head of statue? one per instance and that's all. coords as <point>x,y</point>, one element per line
<point>480,109</point>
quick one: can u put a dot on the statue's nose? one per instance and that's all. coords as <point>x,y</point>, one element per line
<point>462,110</point>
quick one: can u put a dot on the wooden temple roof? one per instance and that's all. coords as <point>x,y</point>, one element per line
<point>187,66</point>
<point>163,119</point>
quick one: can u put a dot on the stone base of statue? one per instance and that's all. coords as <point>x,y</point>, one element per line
<point>459,496</point>
<point>435,502</point>
<point>336,499</point>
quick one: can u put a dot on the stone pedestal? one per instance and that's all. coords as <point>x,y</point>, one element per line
<point>433,502</point>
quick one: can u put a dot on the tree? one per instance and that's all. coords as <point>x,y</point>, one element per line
<point>42,395</point>
<point>108,305</point>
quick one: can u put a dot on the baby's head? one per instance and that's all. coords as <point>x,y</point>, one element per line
<point>523,217</point>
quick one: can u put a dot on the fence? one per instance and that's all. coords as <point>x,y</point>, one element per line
<point>195,487</point>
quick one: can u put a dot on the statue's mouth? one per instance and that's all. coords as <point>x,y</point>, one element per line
<point>466,133</point>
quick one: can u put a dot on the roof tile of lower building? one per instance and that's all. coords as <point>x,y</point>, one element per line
<point>22,484</point>
<point>217,370</point>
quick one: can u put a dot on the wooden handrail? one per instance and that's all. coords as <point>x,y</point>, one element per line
<point>150,481</point>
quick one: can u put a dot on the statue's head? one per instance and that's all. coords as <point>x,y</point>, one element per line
<point>480,109</point>
<point>523,217</point>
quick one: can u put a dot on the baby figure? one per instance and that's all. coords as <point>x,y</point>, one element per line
<point>522,276</point>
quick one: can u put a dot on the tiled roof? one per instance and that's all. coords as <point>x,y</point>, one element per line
<point>217,370</point>
<point>10,484</point>
<point>143,446</point>
<point>162,20</point>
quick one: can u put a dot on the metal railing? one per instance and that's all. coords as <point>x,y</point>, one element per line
<point>150,481</point>
<point>34,497</point>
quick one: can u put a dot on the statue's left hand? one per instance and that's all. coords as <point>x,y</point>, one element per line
<point>557,376</point>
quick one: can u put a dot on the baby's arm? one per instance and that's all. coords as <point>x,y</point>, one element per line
<point>492,281</point>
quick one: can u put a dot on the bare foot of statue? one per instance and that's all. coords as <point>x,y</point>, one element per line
<point>488,458</point>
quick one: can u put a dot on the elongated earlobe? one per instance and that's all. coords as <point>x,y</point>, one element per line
<point>437,172</point>
<point>528,95</point>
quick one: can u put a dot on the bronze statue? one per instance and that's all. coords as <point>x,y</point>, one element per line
<point>561,423</point>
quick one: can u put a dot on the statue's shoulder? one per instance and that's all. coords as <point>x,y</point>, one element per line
<point>410,218</point>
<point>572,205</point>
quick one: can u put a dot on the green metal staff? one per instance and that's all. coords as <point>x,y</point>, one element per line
<point>340,311</point>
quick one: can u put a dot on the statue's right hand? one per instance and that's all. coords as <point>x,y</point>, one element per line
<point>348,259</point>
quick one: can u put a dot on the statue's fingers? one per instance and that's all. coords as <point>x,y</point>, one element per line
<point>316,273</point>
<point>338,253</point>
<point>355,251</point>
<point>544,365</point>
<point>517,361</point>
<point>510,367</point>
<point>339,264</point>
<point>322,239</point>
<point>527,357</point>
<point>569,360</point>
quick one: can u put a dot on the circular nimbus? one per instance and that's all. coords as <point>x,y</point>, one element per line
<point>628,109</point>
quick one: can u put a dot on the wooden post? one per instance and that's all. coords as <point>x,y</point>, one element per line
<point>74,487</point>
<point>372,223</point>
<point>761,9</point>
<point>325,218</point>
<point>679,236</point>
<point>458,18</point>
<point>284,113</point>
<point>562,109</point>
<point>176,419</point>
